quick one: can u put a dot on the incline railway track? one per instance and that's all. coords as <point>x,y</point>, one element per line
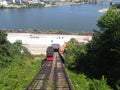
<point>52,76</point>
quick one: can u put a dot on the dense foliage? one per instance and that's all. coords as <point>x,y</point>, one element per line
<point>116,5</point>
<point>81,68</point>
<point>17,66</point>
<point>105,45</point>
<point>1,6</point>
<point>19,74</point>
<point>82,82</point>
<point>101,56</point>
<point>9,52</point>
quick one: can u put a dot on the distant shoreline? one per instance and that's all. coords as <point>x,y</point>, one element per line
<point>15,6</point>
<point>38,5</point>
<point>48,32</point>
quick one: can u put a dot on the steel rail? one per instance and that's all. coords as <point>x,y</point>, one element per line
<point>52,76</point>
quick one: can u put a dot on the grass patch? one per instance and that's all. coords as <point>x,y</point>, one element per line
<point>19,74</point>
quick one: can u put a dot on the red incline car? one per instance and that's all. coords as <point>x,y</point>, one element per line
<point>50,53</point>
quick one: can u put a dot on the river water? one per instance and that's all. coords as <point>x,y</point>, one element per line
<point>69,18</point>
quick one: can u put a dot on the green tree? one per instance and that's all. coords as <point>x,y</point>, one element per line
<point>101,56</point>
<point>73,41</point>
<point>105,46</point>
<point>4,50</point>
<point>10,52</point>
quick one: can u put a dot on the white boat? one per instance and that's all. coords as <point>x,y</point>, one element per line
<point>103,10</point>
<point>47,5</point>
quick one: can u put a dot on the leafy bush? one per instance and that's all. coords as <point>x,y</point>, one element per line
<point>82,82</point>
<point>19,74</point>
<point>17,66</point>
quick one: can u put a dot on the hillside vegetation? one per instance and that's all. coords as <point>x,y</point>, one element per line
<point>17,66</point>
<point>96,65</point>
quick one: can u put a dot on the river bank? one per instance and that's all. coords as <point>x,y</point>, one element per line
<point>47,32</point>
<point>14,6</point>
